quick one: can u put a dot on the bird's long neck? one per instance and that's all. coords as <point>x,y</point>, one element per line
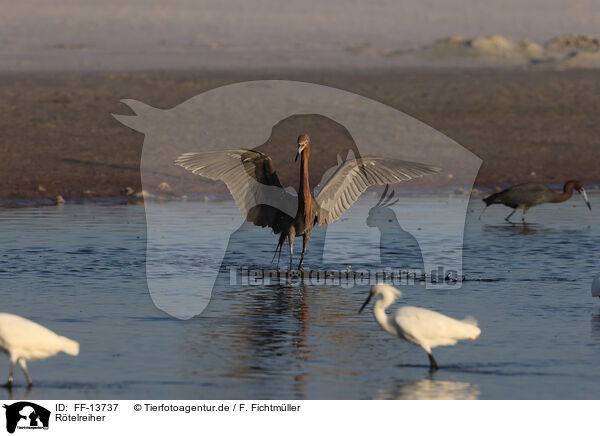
<point>380,315</point>
<point>304,196</point>
<point>567,193</point>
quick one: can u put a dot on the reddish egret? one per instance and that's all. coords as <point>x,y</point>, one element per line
<point>527,195</point>
<point>422,327</point>
<point>251,178</point>
<point>23,340</point>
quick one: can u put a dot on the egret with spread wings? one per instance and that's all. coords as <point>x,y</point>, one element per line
<point>252,180</point>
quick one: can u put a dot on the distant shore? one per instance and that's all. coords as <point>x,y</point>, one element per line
<point>58,136</point>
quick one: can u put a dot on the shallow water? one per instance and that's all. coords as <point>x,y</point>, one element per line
<point>80,270</point>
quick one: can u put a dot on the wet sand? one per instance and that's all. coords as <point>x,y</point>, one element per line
<point>57,135</point>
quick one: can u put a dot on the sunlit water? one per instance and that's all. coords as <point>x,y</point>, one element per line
<point>80,270</point>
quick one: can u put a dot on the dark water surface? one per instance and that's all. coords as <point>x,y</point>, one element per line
<point>80,270</point>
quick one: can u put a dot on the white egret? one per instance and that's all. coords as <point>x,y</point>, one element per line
<point>419,326</point>
<point>596,287</point>
<point>23,340</point>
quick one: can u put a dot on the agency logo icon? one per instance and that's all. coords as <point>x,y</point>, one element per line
<point>24,415</point>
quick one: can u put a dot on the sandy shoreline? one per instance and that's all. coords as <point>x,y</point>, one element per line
<point>58,136</point>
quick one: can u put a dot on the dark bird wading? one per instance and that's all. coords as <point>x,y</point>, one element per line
<point>527,195</point>
<point>252,180</point>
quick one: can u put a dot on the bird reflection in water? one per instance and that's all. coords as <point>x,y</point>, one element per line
<point>255,333</point>
<point>516,229</point>
<point>429,389</point>
<point>16,394</point>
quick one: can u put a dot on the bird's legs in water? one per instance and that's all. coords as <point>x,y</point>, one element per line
<point>509,215</point>
<point>484,209</point>
<point>24,368</point>
<point>279,247</point>
<point>305,239</point>
<point>11,374</point>
<point>291,239</point>
<point>279,256</point>
<point>433,366</point>
<point>525,210</point>
<point>513,212</point>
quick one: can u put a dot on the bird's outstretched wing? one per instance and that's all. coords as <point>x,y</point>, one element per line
<point>354,176</point>
<point>252,181</point>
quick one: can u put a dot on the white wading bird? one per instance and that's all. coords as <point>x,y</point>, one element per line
<point>422,327</point>
<point>23,340</point>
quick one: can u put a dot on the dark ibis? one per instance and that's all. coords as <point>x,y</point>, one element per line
<point>526,195</point>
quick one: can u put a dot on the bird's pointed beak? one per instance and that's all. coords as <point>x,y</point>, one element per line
<point>585,198</point>
<point>300,149</point>
<point>365,303</point>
